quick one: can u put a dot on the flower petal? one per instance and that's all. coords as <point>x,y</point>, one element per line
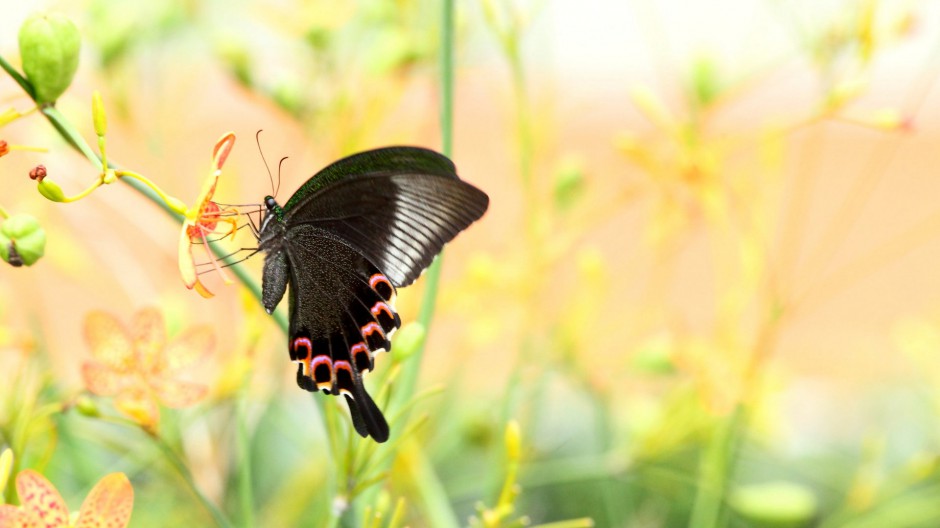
<point>103,380</point>
<point>221,150</point>
<point>139,405</point>
<point>12,517</point>
<point>41,501</point>
<point>149,338</point>
<point>191,346</point>
<point>109,340</point>
<point>177,394</point>
<point>187,264</point>
<point>108,505</point>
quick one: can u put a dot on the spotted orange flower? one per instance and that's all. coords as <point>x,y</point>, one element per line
<point>138,367</point>
<point>203,219</point>
<point>108,505</point>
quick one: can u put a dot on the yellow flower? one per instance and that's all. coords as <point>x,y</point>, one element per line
<point>202,219</point>
<point>108,505</point>
<point>138,368</point>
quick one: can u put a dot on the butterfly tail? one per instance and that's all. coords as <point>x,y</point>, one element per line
<point>366,416</point>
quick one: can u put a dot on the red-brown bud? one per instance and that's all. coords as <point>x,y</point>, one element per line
<point>38,173</point>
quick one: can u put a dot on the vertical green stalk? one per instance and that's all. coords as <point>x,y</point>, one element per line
<point>243,439</point>
<point>409,375</point>
<point>187,476</point>
<point>523,122</point>
<point>715,471</point>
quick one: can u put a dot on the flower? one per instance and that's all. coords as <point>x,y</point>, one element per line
<point>109,503</point>
<point>202,219</point>
<point>139,367</point>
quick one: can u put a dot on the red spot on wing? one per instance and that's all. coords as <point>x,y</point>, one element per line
<point>297,344</point>
<point>381,307</point>
<point>371,328</point>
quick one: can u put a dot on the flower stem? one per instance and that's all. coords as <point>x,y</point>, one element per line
<point>184,472</point>
<point>409,375</point>
<point>245,491</point>
<point>174,204</point>
<point>715,469</point>
<point>24,84</point>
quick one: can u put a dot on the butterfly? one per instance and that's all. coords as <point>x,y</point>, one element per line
<point>348,237</point>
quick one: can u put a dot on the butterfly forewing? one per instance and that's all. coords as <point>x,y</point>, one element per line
<point>388,160</point>
<point>398,221</point>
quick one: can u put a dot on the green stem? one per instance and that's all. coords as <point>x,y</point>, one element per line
<point>184,472</point>
<point>245,491</point>
<point>523,127</point>
<point>20,80</point>
<point>409,375</point>
<point>715,471</point>
<point>403,394</point>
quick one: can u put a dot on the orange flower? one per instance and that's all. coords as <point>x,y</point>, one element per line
<point>138,367</point>
<point>202,219</point>
<point>108,505</point>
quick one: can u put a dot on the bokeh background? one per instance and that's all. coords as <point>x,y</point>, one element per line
<point>706,288</point>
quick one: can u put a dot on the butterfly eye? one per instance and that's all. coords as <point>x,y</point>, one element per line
<point>270,203</point>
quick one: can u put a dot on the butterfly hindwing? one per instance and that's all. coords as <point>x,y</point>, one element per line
<point>334,295</point>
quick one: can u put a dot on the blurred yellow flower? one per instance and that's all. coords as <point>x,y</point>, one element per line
<point>201,220</point>
<point>108,505</point>
<point>138,367</point>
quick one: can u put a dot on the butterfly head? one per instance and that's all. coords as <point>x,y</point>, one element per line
<point>274,208</point>
<point>272,225</point>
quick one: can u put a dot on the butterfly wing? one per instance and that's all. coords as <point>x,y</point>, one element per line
<point>340,315</point>
<point>378,161</point>
<point>355,231</point>
<point>398,212</point>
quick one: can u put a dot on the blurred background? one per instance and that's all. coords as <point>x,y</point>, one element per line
<point>705,290</point>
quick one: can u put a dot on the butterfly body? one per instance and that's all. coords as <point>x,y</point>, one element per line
<point>351,235</point>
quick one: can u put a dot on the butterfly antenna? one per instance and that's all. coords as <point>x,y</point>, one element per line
<point>279,164</point>
<point>270,177</point>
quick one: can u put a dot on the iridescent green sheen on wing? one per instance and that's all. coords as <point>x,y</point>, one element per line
<point>389,160</point>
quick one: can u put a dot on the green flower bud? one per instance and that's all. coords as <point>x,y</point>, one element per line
<point>22,240</point>
<point>51,190</point>
<point>513,441</point>
<point>97,114</point>
<point>569,183</point>
<point>775,504</point>
<point>87,407</point>
<point>408,340</point>
<point>49,48</point>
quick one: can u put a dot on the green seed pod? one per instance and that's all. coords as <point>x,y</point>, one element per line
<point>51,190</point>
<point>23,235</point>
<point>49,48</point>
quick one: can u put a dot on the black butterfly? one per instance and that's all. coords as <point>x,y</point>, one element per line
<point>358,229</point>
